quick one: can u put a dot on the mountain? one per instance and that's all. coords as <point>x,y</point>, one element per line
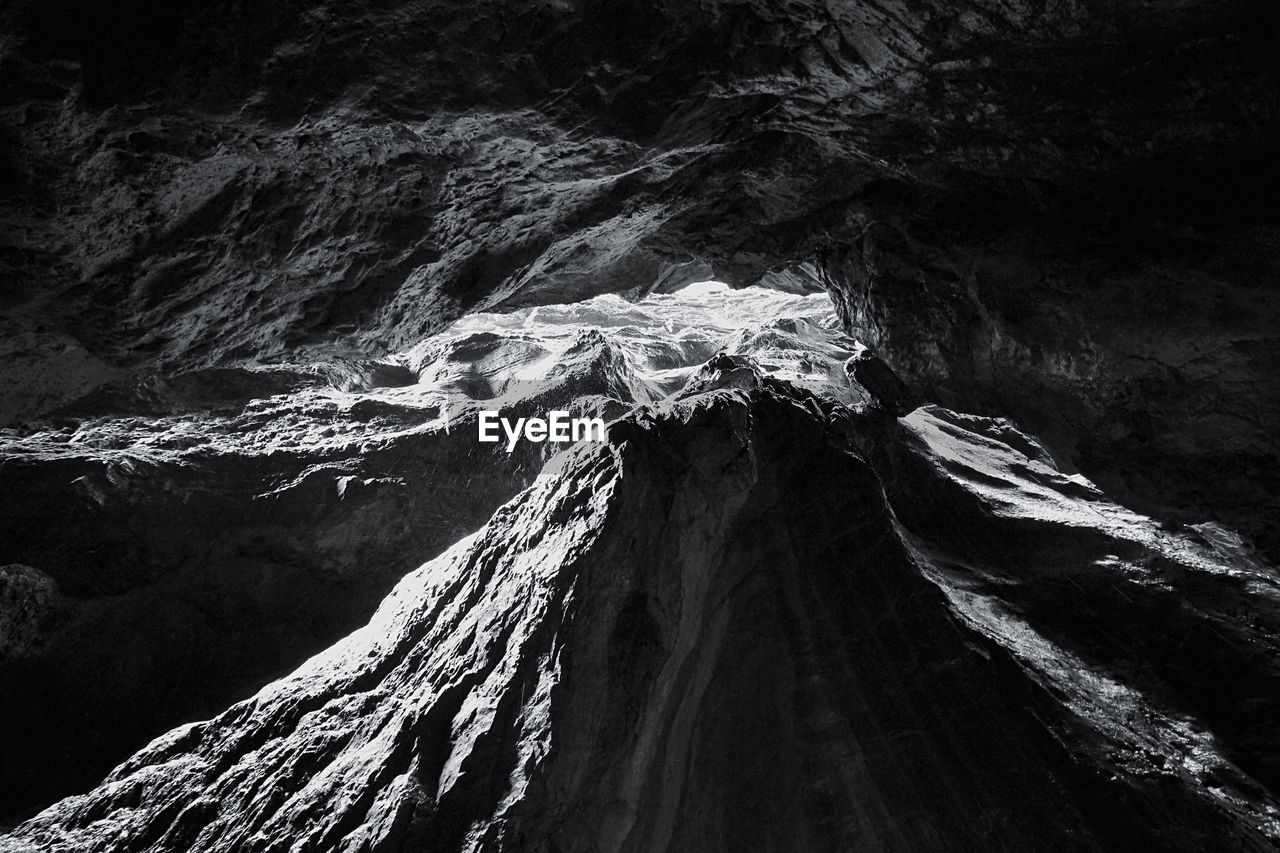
<point>1058,211</point>
<point>972,449</point>
<point>205,533</point>
<point>724,630</point>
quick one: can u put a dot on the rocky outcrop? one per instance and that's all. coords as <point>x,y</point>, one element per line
<point>884,388</point>
<point>232,243</point>
<point>1028,208</point>
<point>714,633</point>
<point>199,556</point>
<point>236,521</point>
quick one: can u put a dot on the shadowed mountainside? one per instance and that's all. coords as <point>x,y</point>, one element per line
<point>1055,210</point>
<point>233,241</point>
<point>714,633</point>
<point>171,560</point>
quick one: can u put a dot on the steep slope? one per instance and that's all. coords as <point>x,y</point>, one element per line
<point>199,554</point>
<point>1053,210</point>
<point>233,240</point>
<point>204,533</point>
<point>714,633</point>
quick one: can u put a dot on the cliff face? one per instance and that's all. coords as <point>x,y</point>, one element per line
<point>720,631</point>
<point>223,525</point>
<point>233,241</point>
<point>1052,210</point>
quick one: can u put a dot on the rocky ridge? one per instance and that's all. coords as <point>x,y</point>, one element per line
<point>725,628</point>
<point>205,533</point>
<point>232,243</point>
<point>1052,210</point>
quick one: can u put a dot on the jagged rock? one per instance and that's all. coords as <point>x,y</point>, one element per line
<point>224,525</point>
<point>1026,207</point>
<point>712,633</point>
<point>884,388</point>
<point>230,235</point>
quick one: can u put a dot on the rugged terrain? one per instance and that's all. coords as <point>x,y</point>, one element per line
<point>982,492</point>
<point>171,560</point>
<point>1055,210</point>
<point>714,632</point>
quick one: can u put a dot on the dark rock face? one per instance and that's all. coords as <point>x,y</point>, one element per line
<point>885,389</point>
<point>1154,378</point>
<point>1053,210</point>
<point>231,240</point>
<point>191,577</point>
<point>238,521</point>
<point>713,633</point>
<point>28,599</point>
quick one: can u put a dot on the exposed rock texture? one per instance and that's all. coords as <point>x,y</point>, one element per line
<point>232,243</point>
<point>203,554</point>
<point>28,599</point>
<point>714,633</point>
<point>238,521</point>
<point>1057,210</point>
